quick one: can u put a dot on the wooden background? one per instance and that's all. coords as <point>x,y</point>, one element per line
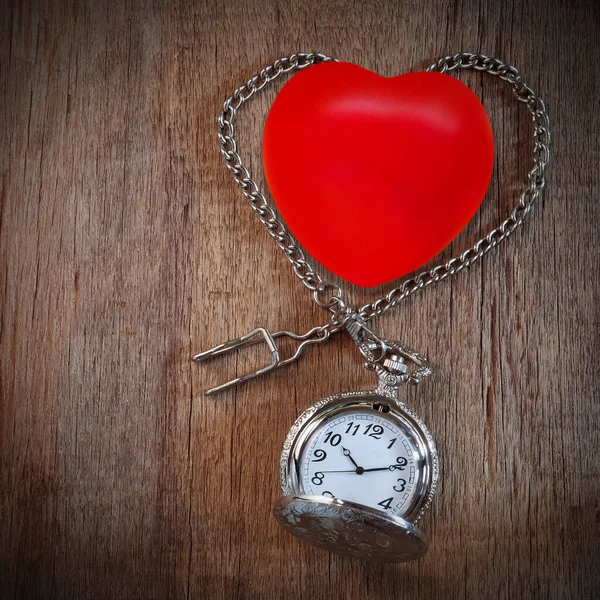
<point>125,248</point>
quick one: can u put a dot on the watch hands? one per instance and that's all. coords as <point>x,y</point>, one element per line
<point>390,468</point>
<point>378,469</point>
<point>348,471</point>
<point>359,469</point>
<point>347,453</point>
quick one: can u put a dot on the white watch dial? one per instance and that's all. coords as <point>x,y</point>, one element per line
<point>362,456</point>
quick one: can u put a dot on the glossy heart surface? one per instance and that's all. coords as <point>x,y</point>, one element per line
<point>374,175</point>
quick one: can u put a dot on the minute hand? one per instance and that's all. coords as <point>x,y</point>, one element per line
<point>390,468</point>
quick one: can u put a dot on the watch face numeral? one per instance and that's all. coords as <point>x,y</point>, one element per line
<point>350,426</point>
<point>392,442</point>
<point>328,494</point>
<point>377,432</point>
<point>402,485</point>
<point>320,455</point>
<point>318,478</point>
<point>387,503</point>
<point>374,431</point>
<point>333,438</point>
<point>401,462</point>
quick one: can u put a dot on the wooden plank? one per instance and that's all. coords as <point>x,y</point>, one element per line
<point>125,247</point>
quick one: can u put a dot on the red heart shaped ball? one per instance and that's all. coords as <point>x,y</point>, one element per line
<point>374,175</point>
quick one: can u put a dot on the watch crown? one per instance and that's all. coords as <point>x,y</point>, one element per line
<point>395,364</point>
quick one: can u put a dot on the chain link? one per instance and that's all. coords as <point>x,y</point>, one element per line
<point>243,178</point>
<point>329,295</point>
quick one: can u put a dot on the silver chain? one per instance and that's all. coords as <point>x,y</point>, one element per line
<point>329,295</point>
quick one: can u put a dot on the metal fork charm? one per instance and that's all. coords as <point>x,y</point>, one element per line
<point>316,335</point>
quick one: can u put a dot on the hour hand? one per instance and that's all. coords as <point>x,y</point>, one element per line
<point>347,453</point>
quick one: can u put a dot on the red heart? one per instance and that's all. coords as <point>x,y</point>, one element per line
<point>374,175</point>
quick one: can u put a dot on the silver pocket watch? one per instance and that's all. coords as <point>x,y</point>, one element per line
<point>359,469</point>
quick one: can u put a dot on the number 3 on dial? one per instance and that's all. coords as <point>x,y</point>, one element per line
<point>402,485</point>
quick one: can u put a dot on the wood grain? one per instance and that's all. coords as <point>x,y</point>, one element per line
<point>125,248</point>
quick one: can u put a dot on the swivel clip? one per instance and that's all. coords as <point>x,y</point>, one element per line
<point>386,357</point>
